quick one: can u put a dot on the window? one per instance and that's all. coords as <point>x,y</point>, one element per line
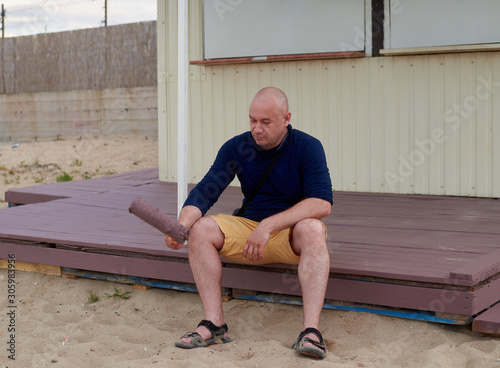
<point>428,23</point>
<point>259,28</point>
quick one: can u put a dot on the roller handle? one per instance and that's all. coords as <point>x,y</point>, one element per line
<point>159,220</point>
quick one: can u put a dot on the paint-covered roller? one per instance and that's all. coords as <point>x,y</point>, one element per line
<point>154,217</point>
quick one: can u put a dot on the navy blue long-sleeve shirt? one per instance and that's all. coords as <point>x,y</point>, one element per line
<point>301,172</point>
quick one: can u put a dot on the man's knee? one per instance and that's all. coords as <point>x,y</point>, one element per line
<point>205,230</point>
<point>311,228</point>
<point>309,234</point>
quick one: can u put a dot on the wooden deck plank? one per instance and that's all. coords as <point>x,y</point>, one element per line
<point>423,238</point>
<point>446,240</point>
<point>479,269</point>
<point>117,221</point>
<point>488,322</point>
<point>376,255</point>
<point>48,192</point>
<point>143,267</point>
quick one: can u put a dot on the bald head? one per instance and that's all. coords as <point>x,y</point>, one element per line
<point>269,117</point>
<point>272,95</point>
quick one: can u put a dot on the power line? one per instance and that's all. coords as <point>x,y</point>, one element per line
<point>60,16</point>
<point>26,9</point>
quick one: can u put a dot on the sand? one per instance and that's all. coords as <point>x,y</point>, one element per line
<point>24,164</point>
<point>56,326</point>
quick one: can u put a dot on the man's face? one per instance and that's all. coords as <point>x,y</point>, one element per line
<point>268,122</point>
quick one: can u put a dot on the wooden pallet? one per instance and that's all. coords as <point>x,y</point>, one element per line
<point>453,319</point>
<point>137,282</point>
<point>33,267</point>
<point>480,325</point>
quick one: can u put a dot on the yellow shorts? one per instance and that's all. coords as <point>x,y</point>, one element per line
<point>236,231</point>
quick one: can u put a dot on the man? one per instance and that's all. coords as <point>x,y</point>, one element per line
<point>281,224</point>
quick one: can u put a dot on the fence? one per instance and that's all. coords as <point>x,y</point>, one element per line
<point>121,56</point>
<point>96,81</point>
<point>47,16</point>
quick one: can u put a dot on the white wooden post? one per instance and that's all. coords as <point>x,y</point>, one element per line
<point>182,103</point>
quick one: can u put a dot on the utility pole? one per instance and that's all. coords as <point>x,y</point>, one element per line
<point>105,13</point>
<point>2,79</point>
<point>3,21</point>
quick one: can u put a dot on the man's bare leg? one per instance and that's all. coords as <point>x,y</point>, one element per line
<point>309,242</point>
<point>205,240</point>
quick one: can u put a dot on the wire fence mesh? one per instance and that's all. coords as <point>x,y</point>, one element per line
<point>30,17</point>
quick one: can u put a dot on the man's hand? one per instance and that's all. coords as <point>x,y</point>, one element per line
<point>253,250</point>
<point>172,244</point>
<point>188,216</point>
<point>307,208</point>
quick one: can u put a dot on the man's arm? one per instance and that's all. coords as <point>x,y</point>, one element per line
<point>307,208</point>
<point>208,190</point>
<point>188,216</point>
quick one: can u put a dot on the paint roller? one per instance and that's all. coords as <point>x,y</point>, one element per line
<point>159,220</point>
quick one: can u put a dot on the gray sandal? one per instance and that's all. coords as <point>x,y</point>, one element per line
<point>317,350</point>
<point>197,341</point>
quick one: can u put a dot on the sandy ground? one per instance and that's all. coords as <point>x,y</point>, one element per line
<point>24,164</point>
<point>56,325</point>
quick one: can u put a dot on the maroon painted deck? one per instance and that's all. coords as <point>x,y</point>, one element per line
<point>488,322</point>
<point>430,253</point>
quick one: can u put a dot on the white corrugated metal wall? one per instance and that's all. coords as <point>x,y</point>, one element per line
<point>422,124</point>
